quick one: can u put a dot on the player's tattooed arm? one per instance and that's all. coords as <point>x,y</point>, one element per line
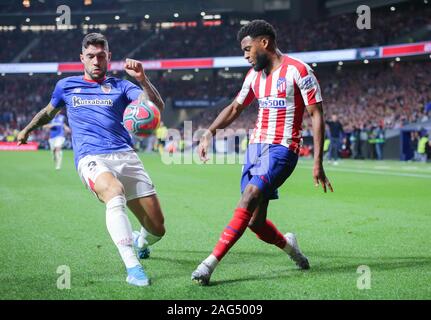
<point>41,118</point>
<point>135,69</point>
<point>317,119</point>
<point>150,93</point>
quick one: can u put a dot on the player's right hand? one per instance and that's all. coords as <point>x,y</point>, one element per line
<point>320,177</point>
<point>22,137</point>
<point>203,147</point>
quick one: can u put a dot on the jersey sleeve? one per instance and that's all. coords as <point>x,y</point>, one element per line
<point>57,100</point>
<point>131,90</point>
<point>308,85</point>
<point>246,95</point>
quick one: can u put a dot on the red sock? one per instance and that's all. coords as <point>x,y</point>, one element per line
<point>269,233</point>
<point>232,232</point>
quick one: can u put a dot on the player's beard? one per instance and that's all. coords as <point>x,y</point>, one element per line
<point>262,62</point>
<point>97,76</point>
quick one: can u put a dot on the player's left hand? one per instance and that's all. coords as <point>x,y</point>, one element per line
<point>134,68</point>
<point>320,177</point>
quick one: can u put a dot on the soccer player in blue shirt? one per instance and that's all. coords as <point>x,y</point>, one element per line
<point>57,129</point>
<point>104,155</point>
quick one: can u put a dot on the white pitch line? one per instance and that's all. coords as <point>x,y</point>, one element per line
<point>386,173</point>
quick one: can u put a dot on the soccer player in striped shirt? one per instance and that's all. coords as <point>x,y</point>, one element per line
<point>284,87</point>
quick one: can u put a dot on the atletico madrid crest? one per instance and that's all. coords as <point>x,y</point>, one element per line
<point>281,85</point>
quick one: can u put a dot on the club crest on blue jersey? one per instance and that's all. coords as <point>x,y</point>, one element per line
<point>106,88</point>
<point>281,85</point>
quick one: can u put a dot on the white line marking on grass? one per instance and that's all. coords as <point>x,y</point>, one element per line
<point>385,173</point>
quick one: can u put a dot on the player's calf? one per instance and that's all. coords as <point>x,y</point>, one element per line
<point>147,210</point>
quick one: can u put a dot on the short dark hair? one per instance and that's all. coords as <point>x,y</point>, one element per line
<point>95,39</point>
<point>257,28</point>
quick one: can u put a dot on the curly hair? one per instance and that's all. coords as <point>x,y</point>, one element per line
<point>257,28</point>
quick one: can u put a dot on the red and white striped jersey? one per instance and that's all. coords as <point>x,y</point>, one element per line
<point>282,98</point>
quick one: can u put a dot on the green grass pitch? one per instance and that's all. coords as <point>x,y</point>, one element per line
<point>379,216</point>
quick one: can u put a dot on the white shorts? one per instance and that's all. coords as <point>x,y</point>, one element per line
<point>56,142</point>
<point>125,166</point>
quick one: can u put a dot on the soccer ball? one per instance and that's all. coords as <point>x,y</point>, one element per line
<point>141,119</point>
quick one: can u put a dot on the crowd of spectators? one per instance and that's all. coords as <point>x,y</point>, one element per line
<point>388,94</point>
<point>335,32</point>
<point>363,96</point>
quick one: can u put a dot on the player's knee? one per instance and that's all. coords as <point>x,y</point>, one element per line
<point>255,224</point>
<point>250,196</point>
<point>110,190</point>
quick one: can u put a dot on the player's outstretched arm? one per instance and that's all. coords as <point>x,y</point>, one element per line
<point>224,119</point>
<point>41,118</point>
<point>135,69</point>
<point>319,176</point>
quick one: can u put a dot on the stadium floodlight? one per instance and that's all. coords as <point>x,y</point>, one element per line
<point>117,17</point>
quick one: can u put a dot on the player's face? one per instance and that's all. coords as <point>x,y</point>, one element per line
<point>255,52</point>
<point>95,59</point>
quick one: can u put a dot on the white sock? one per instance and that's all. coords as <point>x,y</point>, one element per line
<point>288,248</point>
<point>120,229</point>
<point>211,261</point>
<point>59,158</point>
<point>147,239</point>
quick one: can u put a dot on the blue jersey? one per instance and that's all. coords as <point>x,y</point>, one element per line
<point>95,113</point>
<point>57,126</point>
